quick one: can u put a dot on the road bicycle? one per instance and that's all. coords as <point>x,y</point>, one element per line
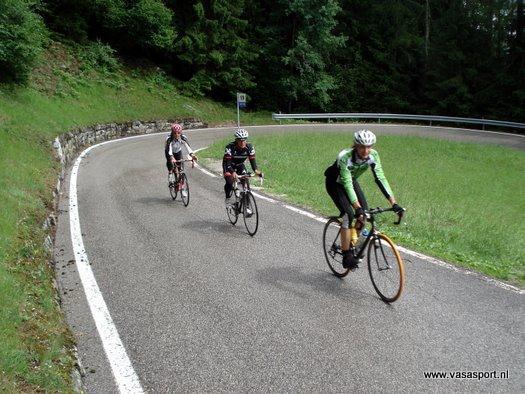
<point>244,203</point>
<point>385,266</point>
<point>179,183</point>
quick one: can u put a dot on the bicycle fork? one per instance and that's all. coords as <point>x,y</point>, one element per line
<point>376,242</point>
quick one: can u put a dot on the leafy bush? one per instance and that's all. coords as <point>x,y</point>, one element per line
<point>22,37</point>
<point>100,56</point>
<point>150,22</point>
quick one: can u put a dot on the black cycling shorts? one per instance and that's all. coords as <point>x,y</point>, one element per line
<point>341,200</point>
<point>177,156</point>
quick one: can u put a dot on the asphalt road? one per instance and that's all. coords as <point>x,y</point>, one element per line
<point>200,306</point>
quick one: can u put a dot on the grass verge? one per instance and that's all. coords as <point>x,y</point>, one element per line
<point>466,202</point>
<point>71,88</point>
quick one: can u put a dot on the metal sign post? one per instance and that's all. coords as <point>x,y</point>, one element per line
<point>241,103</point>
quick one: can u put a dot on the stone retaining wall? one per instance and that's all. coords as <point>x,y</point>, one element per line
<point>69,144</point>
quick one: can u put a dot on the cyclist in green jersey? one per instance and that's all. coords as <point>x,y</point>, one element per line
<point>343,188</point>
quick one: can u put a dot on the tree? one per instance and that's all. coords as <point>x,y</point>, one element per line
<point>296,41</point>
<point>22,37</point>
<point>149,24</point>
<point>380,69</point>
<point>134,26</point>
<point>213,51</point>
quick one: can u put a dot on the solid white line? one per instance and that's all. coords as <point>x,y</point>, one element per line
<point>200,167</point>
<point>125,376</point>
<point>264,197</point>
<point>205,171</point>
<point>457,269</point>
<point>300,211</point>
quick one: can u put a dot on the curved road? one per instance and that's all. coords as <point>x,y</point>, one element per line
<point>201,306</point>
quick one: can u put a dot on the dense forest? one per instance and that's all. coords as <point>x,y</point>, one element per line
<point>443,57</point>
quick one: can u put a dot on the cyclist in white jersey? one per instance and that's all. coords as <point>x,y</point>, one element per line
<point>173,148</point>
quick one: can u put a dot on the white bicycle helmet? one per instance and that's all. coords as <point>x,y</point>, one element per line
<point>364,137</point>
<point>241,134</point>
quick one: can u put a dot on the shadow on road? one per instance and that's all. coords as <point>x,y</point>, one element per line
<point>308,284</point>
<point>166,201</point>
<point>209,226</point>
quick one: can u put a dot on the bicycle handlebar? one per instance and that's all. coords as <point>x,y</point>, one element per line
<point>250,175</point>
<point>184,160</point>
<point>375,211</point>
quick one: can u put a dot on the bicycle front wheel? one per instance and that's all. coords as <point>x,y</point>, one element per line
<point>386,268</point>
<point>332,247</point>
<point>233,211</point>
<point>250,213</point>
<point>184,190</point>
<point>172,185</point>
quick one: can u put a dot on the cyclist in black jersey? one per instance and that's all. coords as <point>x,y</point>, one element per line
<point>235,154</point>
<point>343,188</point>
<point>173,147</point>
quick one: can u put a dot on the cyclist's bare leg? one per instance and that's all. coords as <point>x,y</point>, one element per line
<point>228,183</point>
<point>345,232</point>
<point>345,239</point>
<point>348,259</point>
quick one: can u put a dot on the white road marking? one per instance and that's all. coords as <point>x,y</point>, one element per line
<point>300,211</point>
<point>205,171</point>
<point>263,197</point>
<point>201,168</point>
<point>123,372</point>
<point>458,269</point>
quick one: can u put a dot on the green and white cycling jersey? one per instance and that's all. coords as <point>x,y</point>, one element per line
<point>351,167</point>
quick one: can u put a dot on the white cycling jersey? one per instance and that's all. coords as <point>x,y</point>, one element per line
<point>175,146</point>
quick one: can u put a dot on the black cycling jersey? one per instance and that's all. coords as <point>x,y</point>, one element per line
<point>235,156</point>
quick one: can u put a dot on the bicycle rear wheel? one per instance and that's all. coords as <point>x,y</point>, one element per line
<point>332,247</point>
<point>172,185</point>
<point>184,189</point>
<point>386,268</point>
<point>250,213</point>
